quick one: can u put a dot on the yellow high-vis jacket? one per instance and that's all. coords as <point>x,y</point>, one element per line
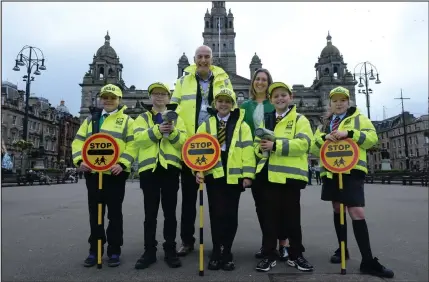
<point>185,94</point>
<point>241,159</point>
<point>120,127</point>
<point>153,147</point>
<point>364,135</point>
<point>293,139</point>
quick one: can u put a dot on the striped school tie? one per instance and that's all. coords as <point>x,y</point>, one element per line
<point>221,134</point>
<point>278,119</point>
<point>335,123</point>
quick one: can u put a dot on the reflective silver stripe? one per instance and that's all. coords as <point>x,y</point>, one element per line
<point>318,144</point>
<point>233,171</point>
<point>302,135</point>
<point>298,116</point>
<point>169,157</point>
<point>361,163</point>
<point>189,97</point>
<point>248,169</point>
<point>287,169</point>
<point>208,130</point>
<point>77,154</point>
<point>285,147</point>
<point>175,139</point>
<point>147,162</point>
<point>218,164</point>
<point>226,81</point>
<point>152,135</point>
<point>127,157</point>
<point>181,80</point>
<point>244,144</point>
<point>138,130</point>
<point>129,138</point>
<point>88,134</point>
<point>80,137</point>
<point>367,129</point>
<point>114,134</point>
<point>361,139</point>
<point>357,122</point>
<point>262,162</point>
<point>145,117</point>
<point>175,100</point>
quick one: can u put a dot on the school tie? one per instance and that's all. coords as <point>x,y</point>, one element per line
<point>278,119</point>
<point>335,123</point>
<point>221,134</point>
<point>103,117</point>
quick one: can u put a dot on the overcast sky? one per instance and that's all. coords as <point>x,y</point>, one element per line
<point>149,38</point>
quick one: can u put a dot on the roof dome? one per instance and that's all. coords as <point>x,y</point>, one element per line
<point>106,50</point>
<point>256,59</point>
<point>62,108</point>
<point>184,59</point>
<point>329,50</point>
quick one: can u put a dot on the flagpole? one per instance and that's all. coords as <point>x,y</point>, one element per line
<point>218,24</point>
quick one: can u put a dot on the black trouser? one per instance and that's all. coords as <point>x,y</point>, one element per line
<point>112,195</point>
<point>189,210</point>
<point>282,215</point>
<point>160,186</point>
<point>258,187</point>
<point>223,202</point>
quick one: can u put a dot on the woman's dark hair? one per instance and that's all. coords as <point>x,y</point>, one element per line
<point>252,92</point>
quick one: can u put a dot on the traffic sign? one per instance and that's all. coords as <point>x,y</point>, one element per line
<point>340,156</point>
<point>100,152</point>
<point>201,152</point>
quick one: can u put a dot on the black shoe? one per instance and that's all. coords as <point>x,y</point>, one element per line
<point>259,254</point>
<point>184,250</point>
<point>215,262</point>
<point>336,257</point>
<point>301,264</point>
<point>91,260</point>
<point>283,253</point>
<point>148,258</point>
<point>228,262</point>
<point>265,265</point>
<point>172,259</point>
<point>114,261</point>
<point>373,267</point>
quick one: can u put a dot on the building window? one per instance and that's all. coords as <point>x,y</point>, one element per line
<point>416,140</point>
<point>14,120</point>
<point>387,145</point>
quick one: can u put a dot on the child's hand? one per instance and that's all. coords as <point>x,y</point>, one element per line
<point>266,145</point>
<point>247,182</point>
<point>199,177</point>
<point>340,134</point>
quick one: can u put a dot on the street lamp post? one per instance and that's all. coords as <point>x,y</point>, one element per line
<point>365,76</point>
<point>29,62</point>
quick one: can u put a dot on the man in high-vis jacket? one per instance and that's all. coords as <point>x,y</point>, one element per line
<point>111,120</point>
<point>194,94</point>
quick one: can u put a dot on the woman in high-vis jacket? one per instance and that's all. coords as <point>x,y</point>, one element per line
<point>111,120</point>
<point>347,122</point>
<point>160,146</point>
<point>230,176</point>
<point>282,175</point>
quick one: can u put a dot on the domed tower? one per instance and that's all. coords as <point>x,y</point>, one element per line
<point>254,65</point>
<point>331,71</point>
<point>104,69</point>
<point>183,63</point>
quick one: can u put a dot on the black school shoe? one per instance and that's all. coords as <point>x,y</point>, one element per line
<point>148,258</point>
<point>373,267</point>
<point>259,254</point>
<point>265,265</point>
<point>301,264</point>
<point>227,262</point>
<point>336,257</point>
<point>172,259</point>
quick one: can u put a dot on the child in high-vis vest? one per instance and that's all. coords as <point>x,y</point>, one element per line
<point>111,120</point>
<point>160,143</point>
<point>231,175</point>
<point>283,174</point>
<point>347,122</point>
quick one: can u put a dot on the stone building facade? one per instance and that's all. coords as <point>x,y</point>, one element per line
<point>391,136</point>
<point>44,127</point>
<point>331,70</point>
